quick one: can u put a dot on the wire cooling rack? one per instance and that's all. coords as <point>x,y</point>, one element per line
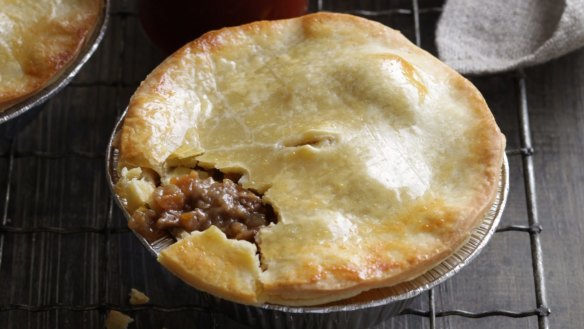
<point>60,263</point>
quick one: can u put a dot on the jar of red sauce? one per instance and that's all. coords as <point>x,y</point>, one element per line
<point>172,23</point>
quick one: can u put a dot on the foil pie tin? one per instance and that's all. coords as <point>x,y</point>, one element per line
<point>362,311</point>
<point>17,115</point>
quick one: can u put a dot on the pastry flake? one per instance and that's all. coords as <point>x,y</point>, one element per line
<point>117,320</point>
<point>137,297</point>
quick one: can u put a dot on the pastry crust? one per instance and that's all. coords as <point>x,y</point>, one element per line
<point>377,158</point>
<point>38,39</point>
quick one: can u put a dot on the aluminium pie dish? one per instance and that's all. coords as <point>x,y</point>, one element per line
<point>43,45</point>
<point>306,161</point>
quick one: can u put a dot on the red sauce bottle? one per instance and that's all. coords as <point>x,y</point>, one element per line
<point>172,23</point>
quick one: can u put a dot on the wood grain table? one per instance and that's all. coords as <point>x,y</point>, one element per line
<point>67,256</point>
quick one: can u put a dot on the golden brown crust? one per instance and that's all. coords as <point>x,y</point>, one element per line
<point>378,159</point>
<point>235,268</point>
<point>39,39</point>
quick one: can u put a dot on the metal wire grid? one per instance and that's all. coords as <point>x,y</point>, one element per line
<point>526,152</point>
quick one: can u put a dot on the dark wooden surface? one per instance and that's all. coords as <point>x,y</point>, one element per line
<point>58,180</point>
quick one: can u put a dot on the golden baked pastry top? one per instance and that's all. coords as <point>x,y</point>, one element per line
<point>377,158</point>
<point>38,38</point>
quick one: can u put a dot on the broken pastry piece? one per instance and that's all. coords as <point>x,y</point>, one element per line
<point>117,320</point>
<point>304,161</point>
<point>138,298</point>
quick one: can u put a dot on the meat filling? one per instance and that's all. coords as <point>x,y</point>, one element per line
<point>193,204</point>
